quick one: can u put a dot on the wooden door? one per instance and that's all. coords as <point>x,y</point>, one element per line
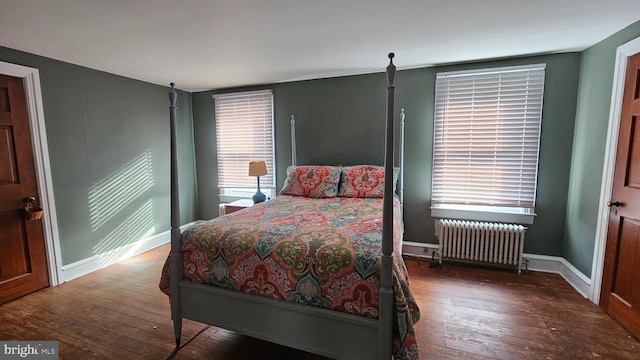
<point>23,261</point>
<point>620,295</point>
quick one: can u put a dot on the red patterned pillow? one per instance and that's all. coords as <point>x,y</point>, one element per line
<point>364,181</point>
<point>312,181</point>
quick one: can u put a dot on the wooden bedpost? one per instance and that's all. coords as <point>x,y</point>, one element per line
<point>175,257</point>
<point>386,280</point>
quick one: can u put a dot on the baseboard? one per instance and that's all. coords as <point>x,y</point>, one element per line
<point>97,262</point>
<point>542,263</point>
<point>558,265</point>
<point>418,249</point>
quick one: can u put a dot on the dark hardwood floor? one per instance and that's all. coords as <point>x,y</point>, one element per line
<point>467,313</point>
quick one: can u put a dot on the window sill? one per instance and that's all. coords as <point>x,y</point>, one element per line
<point>484,213</point>
<point>228,195</point>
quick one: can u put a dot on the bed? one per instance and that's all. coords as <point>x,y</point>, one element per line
<point>317,268</point>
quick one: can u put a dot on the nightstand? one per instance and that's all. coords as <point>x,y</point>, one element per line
<point>237,205</point>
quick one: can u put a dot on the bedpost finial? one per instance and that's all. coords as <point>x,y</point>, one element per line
<point>293,120</point>
<point>172,96</point>
<point>391,69</point>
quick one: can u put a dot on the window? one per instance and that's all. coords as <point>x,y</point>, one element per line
<point>244,133</point>
<point>486,143</point>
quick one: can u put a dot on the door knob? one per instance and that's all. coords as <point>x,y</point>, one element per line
<point>615,203</point>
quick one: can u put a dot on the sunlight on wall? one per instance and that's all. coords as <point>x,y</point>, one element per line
<point>115,210</point>
<point>112,194</point>
<point>138,226</point>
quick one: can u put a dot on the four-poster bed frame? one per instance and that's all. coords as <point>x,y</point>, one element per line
<point>322,331</point>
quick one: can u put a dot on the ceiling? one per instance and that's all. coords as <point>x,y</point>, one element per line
<point>213,44</point>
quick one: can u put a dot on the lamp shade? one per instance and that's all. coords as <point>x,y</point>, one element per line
<point>257,168</point>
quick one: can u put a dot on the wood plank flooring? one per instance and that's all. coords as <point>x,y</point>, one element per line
<point>467,313</point>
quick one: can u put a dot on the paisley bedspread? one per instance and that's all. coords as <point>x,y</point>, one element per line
<point>320,252</point>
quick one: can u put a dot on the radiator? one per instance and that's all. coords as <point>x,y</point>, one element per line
<point>481,241</point>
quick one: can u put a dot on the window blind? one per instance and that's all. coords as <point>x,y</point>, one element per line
<point>487,136</point>
<point>244,133</point>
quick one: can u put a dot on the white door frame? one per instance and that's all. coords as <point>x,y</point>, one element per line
<point>624,51</point>
<point>33,94</point>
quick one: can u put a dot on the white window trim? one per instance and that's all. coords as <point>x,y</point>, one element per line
<point>227,195</point>
<point>507,214</point>
<point>503,214</point>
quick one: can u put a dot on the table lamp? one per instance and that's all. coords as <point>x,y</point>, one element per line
<point>258,168</point>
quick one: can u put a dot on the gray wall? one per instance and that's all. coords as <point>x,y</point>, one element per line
<point>204,126</point>
<point>102,129</point>
<point>592,119</point>
<point>341,121</point>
